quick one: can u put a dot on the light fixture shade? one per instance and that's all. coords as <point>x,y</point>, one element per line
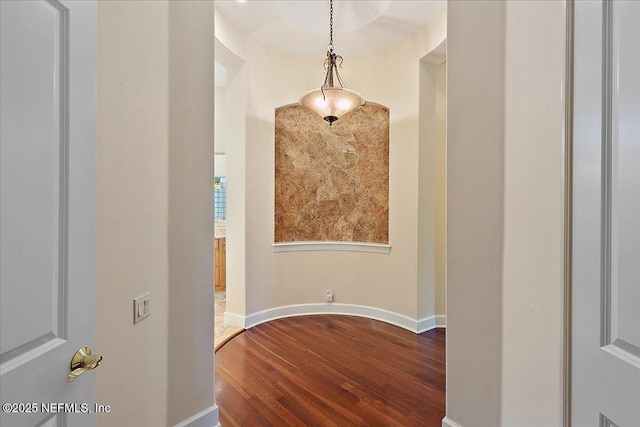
<point>331,103</point>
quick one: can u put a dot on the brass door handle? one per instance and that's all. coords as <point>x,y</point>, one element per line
<point>83,361</point>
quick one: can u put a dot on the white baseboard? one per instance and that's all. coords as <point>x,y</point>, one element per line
<point>426,324</point>
<point>432,322</point>
<point>446,422</point>
<point>205,418</point>
<point>234,319</point>
<point>332,308</point>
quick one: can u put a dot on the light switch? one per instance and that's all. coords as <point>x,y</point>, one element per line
<point>141,307</point>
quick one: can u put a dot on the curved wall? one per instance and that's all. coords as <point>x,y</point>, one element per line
<point>287,283</point>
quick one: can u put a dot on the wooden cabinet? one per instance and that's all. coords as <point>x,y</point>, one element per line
<point>220,264</point>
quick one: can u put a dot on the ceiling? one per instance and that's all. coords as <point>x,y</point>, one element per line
<point>301,27</point>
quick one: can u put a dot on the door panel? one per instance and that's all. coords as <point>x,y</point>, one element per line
<point>32,182</point>
<point>606,221</point>
<point>47,209</point>
<point>625,179</point>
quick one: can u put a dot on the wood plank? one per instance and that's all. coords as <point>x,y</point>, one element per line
<point>331,370</point>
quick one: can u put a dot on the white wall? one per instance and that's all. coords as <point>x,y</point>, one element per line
<point>387,282</point>
<point>220,116</point>
<point>505,213</point>
<point>154,210</point>
<point>220,164</point>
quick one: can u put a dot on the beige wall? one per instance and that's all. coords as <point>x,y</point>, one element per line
<point>155,150</point>
<point>441,191</point>
<point>533,214</point>
<point>236,91</point>
<point>384,281</point>
<point>191,157</point>
<point>432,188</point>
<point>272,78</point>
<point>504,219</point>
<point>132,197</point>
<point>475,203</point>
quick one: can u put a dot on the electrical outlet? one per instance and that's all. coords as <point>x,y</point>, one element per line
<point>141,307</point>
<point>328,296</point>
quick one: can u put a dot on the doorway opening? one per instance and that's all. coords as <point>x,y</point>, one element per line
<point>223,331</point>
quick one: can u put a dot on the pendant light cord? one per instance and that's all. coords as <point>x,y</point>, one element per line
<point>333,60</point>
<point>331,46</point>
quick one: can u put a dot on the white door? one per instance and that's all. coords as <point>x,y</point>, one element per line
<point>47,209</point>
<point>606,215</point>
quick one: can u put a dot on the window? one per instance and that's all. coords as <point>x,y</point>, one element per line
<point>220,197</point>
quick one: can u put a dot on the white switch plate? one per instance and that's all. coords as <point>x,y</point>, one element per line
<point>141,307</point>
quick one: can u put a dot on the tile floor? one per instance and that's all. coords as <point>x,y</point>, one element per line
<point>222,332</point>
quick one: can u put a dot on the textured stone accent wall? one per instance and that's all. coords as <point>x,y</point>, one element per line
<point>332,182</point>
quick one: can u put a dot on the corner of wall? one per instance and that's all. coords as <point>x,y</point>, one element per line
<point>475,210</point>
<point>131,224</point>
<point>190,234</point>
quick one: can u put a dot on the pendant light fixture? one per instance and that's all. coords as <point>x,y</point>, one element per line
<point>333,99</point>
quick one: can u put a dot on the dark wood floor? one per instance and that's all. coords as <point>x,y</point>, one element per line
<point>331,371</point>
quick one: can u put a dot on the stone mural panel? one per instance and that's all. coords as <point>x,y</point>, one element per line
<point>332,182</point>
